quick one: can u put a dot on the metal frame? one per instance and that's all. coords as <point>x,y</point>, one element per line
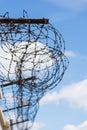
<point>26,92</point>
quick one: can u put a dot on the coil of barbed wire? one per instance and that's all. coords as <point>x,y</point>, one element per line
<point>32,62</point>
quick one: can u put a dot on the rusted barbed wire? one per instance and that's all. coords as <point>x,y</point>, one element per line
<point>32,62</point>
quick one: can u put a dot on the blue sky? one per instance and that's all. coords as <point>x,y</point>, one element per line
<point>65,107</point>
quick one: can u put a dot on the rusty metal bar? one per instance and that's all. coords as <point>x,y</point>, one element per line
<point>15,123</point>
<point>18,81</point>
<point>23,21</point>
<point>17,107</point>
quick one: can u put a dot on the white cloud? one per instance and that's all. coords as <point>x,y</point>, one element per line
<point>38,126</point>
<point>75,95</point>
<point>70,4</point>
<point>35,126</point>
<point>70,53</point>
<point>82,126</point>
<point>11,56</point>
<point>50,98</point>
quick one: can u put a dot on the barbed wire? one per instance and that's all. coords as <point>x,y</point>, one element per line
<point>32,62</point>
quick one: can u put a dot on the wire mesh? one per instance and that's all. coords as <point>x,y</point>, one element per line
<point>32,62</point>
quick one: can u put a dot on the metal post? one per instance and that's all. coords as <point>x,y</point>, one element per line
<point>11,125</point>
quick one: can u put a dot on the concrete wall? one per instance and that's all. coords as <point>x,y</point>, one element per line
<point>4,124</point>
